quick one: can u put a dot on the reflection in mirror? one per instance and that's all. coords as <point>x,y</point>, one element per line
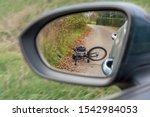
<point>82,43</point>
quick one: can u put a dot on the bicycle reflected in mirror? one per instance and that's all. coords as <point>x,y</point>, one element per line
<point>94,54</point>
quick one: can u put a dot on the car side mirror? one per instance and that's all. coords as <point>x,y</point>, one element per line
<point>54,45</point>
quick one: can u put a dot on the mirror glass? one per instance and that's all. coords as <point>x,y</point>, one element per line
<point>84,43</point>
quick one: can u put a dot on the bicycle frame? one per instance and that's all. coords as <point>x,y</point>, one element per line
<point>82,53</point>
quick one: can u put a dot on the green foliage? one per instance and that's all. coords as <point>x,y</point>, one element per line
<point>57,37</point>
<point>110,18</point>
<point>115,22</point>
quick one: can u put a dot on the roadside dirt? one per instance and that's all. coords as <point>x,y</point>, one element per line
<point>97,36</point>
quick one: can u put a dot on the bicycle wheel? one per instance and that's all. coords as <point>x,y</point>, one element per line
<point>97,53</point>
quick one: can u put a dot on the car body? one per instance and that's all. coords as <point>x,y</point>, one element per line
<point>107,65</point>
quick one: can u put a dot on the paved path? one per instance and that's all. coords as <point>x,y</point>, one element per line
<point>99,36</point>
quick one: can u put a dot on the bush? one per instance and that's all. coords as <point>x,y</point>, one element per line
<point>57,37</point>
<point>116,22</point>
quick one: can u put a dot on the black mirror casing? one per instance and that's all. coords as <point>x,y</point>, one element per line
<point>32,56</point>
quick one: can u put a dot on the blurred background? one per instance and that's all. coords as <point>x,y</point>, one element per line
<point>17,81</point>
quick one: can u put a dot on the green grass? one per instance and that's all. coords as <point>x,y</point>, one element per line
<point>62,38</point>
<point>17,81</point>
<point>67,42</point>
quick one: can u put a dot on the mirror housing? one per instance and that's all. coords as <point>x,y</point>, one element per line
<point>31,54</point>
